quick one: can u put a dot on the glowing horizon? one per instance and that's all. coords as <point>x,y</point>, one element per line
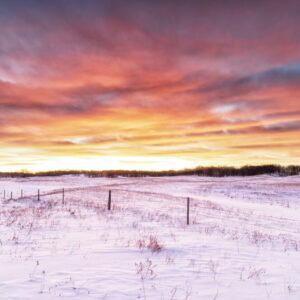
<point>148,85</point>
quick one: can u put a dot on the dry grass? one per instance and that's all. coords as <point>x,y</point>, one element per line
<point>151,244</point>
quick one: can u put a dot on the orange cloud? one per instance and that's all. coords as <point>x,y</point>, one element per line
<point>148,84</point>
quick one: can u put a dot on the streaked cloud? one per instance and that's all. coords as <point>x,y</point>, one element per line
<point>148,81</point>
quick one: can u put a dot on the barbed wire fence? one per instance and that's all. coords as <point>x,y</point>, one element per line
<point>152,204</point>
<point>152,209</point>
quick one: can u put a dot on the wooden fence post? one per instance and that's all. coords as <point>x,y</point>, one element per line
<point>21,194</point>
<point>63,196</point>
<point>109,200</point>
<point>188,211</point>
<point>4,195</point>
<point>11,195</point>
<point>38,195</point>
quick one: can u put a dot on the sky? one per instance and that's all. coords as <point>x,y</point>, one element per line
<point>148,85</point>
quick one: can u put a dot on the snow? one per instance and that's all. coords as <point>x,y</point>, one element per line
<point>243,241</point>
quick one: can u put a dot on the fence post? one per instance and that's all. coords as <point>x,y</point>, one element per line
<point>38,195</point>
<point>21,194</point>
<point>4,195</point>
<point>188,211</point>
<point>63,196</point>
<point>11,196</point>
<point>109,200</point>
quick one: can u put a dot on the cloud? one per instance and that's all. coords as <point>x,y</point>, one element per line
<point>239,106</point>
<point>268,146</point>
<point>235,86</point>
<point>285,126</point>
<point>281,114</point>
<point>126,76</point>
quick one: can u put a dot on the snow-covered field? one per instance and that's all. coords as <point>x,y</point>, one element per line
<point>243,241</point>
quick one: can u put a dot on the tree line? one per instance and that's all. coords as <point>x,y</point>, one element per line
<point>199,171</point>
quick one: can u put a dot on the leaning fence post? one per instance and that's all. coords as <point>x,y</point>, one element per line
<point>38,195</point>
<point>188,211</point>
<point>109,200</point>
<point>63,196</point>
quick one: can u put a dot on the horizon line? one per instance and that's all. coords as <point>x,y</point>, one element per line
<point>25,171</point>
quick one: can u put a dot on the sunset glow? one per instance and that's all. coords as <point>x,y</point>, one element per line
<point>148,85</point>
